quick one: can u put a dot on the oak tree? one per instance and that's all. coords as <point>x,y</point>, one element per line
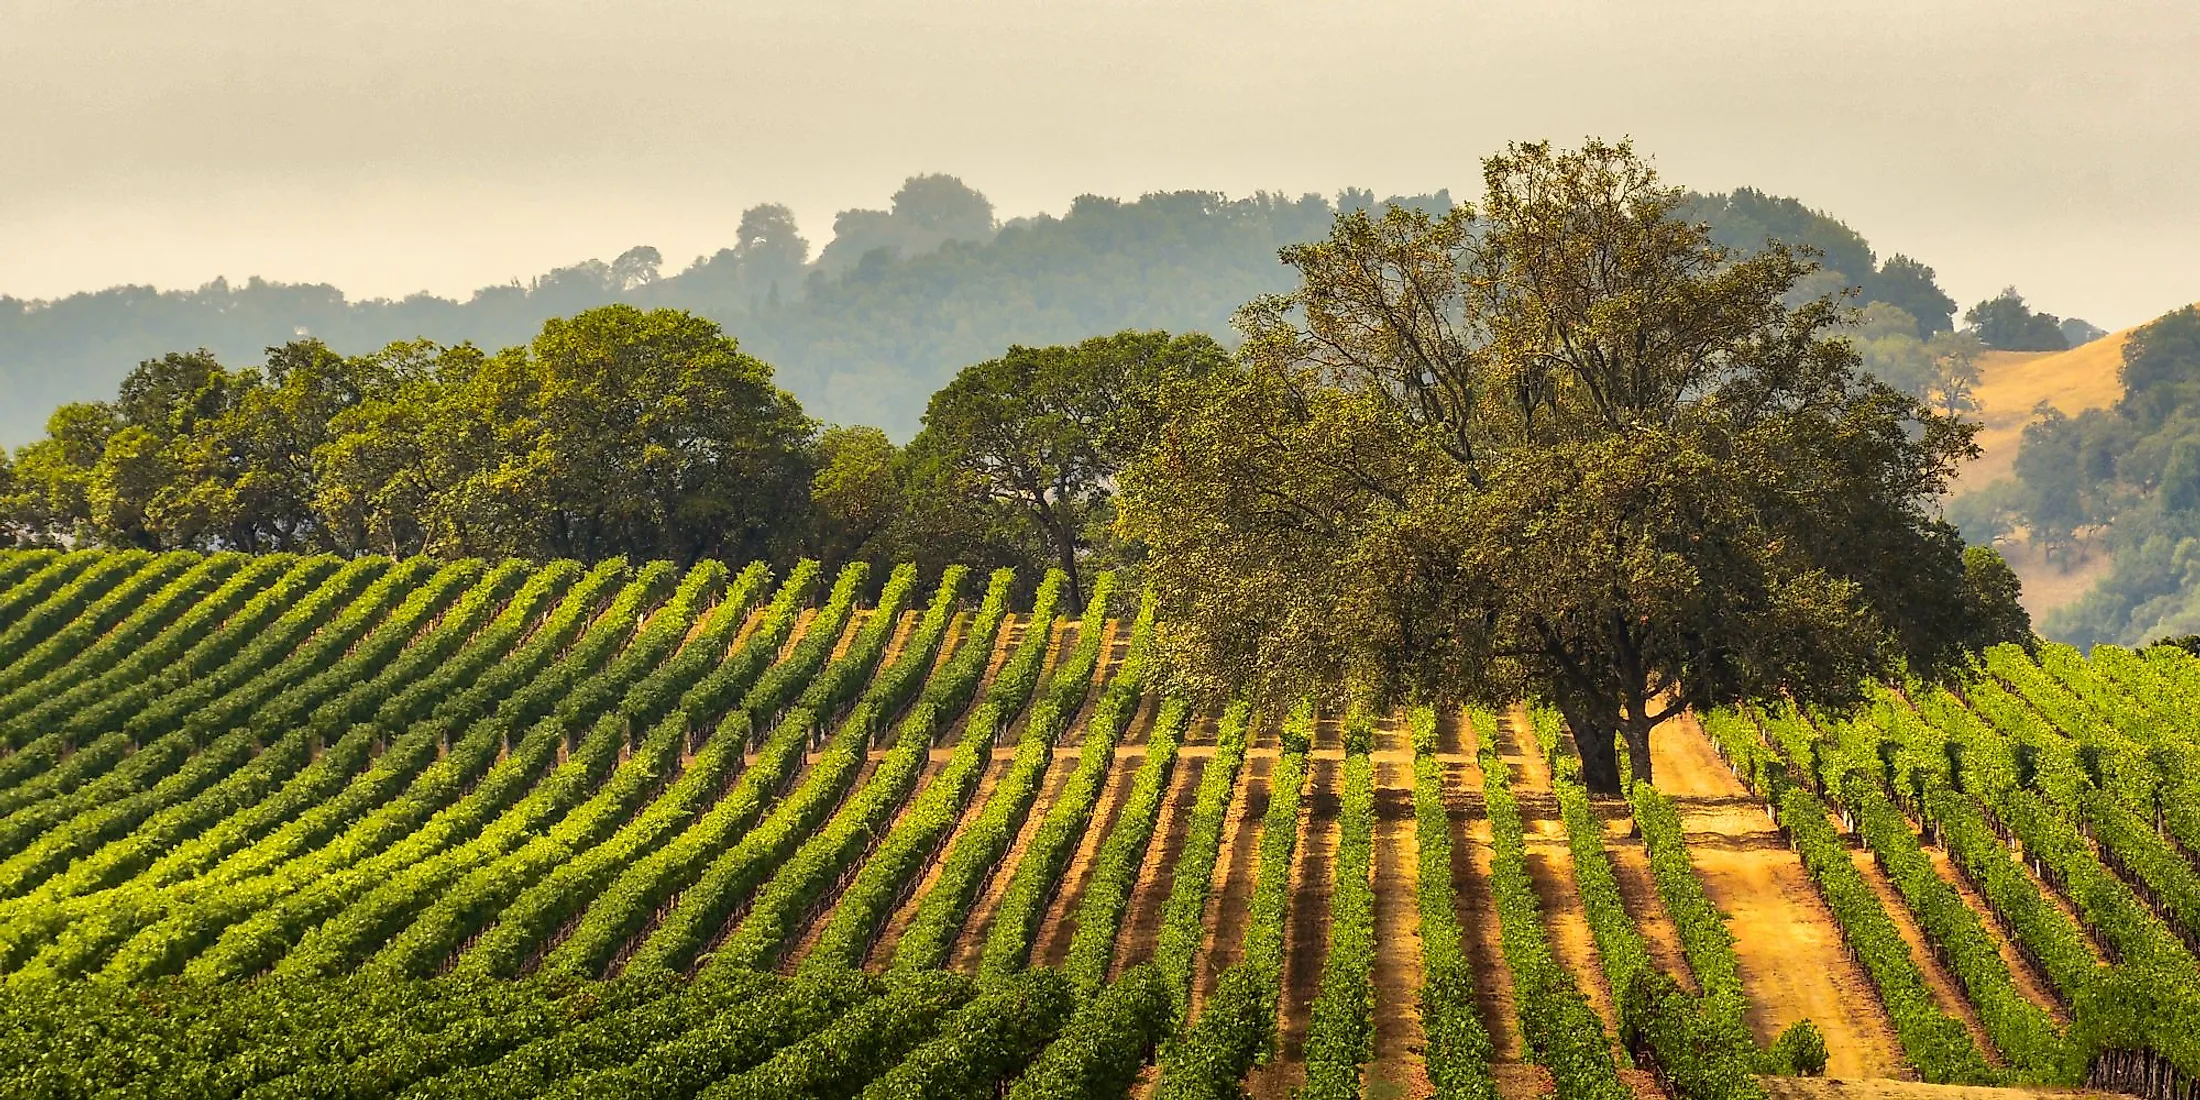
<point>1562,446</point>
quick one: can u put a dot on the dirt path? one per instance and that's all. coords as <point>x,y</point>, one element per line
<point>895,643</point>
<point>1638,889</point>
<point>1201,731</point>
<point>1471,858</point>
<point>1229,898</point>
<point>970,946</point>
<point>802,621</point>
<point>2029,980</point>
<point>1142,922</point>
<point>1051,946</point>
<point>1135,732</point>
<point>1947,992</point>
<point>951,639</point>
<point>1823,1088</point>
<point>1793,963</point>
<point>1059,643</point>
<point>1306,931</point>
<point>1397,1070</point>
<point>848,633</point>
<point>749,624</point>
<point>1005,640</point>
<point>1115,644</point>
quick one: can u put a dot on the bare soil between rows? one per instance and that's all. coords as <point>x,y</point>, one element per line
<point>1793,962</point>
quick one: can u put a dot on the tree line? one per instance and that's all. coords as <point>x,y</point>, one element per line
<point>619,430</point>
<point>865,328</point>
<point>1560,444</point>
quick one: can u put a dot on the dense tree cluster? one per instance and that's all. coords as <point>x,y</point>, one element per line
<point>1565,446</point>
<point>616,431</point>
<point>1747,220</point>
<point>2005,322</point>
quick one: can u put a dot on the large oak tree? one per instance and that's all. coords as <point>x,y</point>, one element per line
<point>1560,446</point>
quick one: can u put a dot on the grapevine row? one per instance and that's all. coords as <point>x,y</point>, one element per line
<point>1236,1026</point>
<point>1935,1042</point>
<point>1341,1035</point>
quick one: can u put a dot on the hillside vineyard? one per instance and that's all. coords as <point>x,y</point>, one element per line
<point>277,826</point>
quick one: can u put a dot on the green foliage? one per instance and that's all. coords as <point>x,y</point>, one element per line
<point>1429,477</point>
<point>890,871</point>
<point>805,881</point>
<point>1340,1037</point>
<point>985,1043</point>
<point>1935,1042</point>
<point>2023,1032</point>
<point>1105,1042</point>
<point>615,430</point>
<point>1459,1049</point>
<point>1563,1033</point>
<point>1748,220</point>
<point>1800,1051</point>
<point>67,605</point>
<point>1121,856</point>
<point>2006,323</point>
<point>2158,367</point>
<point>1704,935</point>
<point>257,918</point>
<point>1697,1048</point>
<point>730,1041</point>
<point>2126,479</point>
<point>1183,916</point>
<point>739,870</point>
<point>1237,1026</point>
<point>1030,444</point>
<point>869,1040</point>
<point>1046,855</point>
<point>976,854</point>
<point>2150,999</point>
<point>1116,1032</point>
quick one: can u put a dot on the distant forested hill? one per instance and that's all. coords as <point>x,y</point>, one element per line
<point>868,328</point>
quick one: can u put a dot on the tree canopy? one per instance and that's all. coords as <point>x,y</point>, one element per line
<point>1039,435</point>
<point>2007,323</point>
<point>617,431</point>
<point>1566,446</point>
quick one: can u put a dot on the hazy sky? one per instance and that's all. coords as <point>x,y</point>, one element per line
<point>394,145</point>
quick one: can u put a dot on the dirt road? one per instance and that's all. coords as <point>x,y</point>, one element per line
<point>1793,963</point>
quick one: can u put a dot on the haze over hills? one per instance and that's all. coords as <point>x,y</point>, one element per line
<point>862,330</point>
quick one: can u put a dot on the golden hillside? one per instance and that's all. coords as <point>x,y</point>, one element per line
<point>2013,382</point>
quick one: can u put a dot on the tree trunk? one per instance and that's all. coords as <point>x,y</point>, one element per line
<point>1636,730</point>
<point>1065,545</point>
<point>1599,755</point>
<point>1076,583</point>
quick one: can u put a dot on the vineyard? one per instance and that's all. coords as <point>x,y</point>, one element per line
<point>279,826</point>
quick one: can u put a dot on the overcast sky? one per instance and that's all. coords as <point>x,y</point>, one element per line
<point>395,145</point>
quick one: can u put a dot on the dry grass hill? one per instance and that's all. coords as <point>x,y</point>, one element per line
<point>2011,385</point>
